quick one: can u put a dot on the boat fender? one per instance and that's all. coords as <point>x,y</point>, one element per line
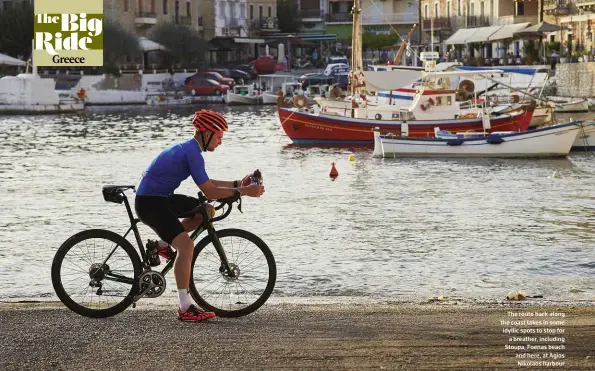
<point>378,116</point>
<point>454,142</point>
<point>431,101</point>
<point>423,107</point>
<point>494,139</point>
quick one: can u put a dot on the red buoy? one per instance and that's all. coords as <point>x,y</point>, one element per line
<point>334,173</point>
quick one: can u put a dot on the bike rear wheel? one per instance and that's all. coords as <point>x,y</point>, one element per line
<point>255,274</point>
<point>86,286</point>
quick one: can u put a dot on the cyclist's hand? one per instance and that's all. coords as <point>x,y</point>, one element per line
<point>245,182</point>
<point>253,190</point>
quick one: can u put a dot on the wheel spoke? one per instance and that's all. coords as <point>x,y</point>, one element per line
<point>233,294</point>
<point>88,286</point>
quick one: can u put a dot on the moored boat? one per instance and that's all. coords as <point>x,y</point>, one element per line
<point>551,141</point>
<point>304,127</point>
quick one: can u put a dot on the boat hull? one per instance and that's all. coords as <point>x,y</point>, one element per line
<point>311,128</point>
<point>243,99</point>
<point>552,141</point>
<point>585,140</point>
<point>573,106</point>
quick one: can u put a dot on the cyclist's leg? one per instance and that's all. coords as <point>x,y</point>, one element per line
<point>157,214</point>
<point>181,204</point>
<point>190,224</point>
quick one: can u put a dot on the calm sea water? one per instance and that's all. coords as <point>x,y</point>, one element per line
<point>395,229</point>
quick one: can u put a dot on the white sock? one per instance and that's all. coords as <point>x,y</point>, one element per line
<point>162,243</point>
<point>185,302</point>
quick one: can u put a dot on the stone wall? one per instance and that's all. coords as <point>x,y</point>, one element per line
<point>576,79</point>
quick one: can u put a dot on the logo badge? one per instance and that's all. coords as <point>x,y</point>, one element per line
<point>68,33</point>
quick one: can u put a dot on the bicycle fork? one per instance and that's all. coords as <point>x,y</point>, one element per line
<point>231,269</point>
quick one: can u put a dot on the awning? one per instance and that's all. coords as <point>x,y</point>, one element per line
<point>6,60</point>
<point>393,80</point>
<point>482,34</point>
<point>224,44</point>
<point>507,31</point>
<point>322,37</point>
<point>149,45</point>
<point>461,36</point>
<point>247,40</point>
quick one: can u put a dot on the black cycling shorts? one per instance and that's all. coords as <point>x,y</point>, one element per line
<point>161,213</point>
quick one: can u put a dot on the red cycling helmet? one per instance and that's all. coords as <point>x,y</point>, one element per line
<point>209,120</point>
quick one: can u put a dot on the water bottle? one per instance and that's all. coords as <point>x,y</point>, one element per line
<point>256,177</point>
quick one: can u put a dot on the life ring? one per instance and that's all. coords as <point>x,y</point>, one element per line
<point>431,101</point>
<point>423,107</point>
<point>378,116</point>
<point>81,93</point>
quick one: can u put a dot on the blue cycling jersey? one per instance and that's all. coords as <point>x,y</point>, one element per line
<point>172,166</point>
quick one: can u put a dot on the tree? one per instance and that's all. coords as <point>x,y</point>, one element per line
<point>185,45</point>
<point>289,16</point>
<point>16,30</point>
<point>117,44</point>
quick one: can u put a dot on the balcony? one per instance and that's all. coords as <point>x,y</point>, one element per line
<point>585,5</point>
<point>370,20</point>
<point>440,23</point>
<point>265,24</point>
<point>345,17</point>
<point>186,20</point>
<point>556,7</point>
<point>311,15</point>
<point>394,18</point>
<point>478,21</point>
<point>145,19</point>
<point>512,19</point>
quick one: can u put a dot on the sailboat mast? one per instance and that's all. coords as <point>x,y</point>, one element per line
<point>356,48</point>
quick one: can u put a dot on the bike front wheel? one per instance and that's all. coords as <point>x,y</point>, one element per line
<point>253,279</point>
<point>85,284</point>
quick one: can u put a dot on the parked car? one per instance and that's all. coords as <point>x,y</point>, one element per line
<point>249,69</point>
<point>236,75</point>
<point>212,76</point>
<point>200,86</point>
<point>264,64</point>
<point>316,79</point>
<point>334,69</point>
<point>338,59</point>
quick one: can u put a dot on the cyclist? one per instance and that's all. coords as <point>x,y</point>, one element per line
<point>158,207</point>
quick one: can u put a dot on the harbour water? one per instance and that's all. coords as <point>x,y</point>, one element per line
<point>473,229</point>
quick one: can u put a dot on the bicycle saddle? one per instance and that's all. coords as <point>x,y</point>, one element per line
<point>113,193</point>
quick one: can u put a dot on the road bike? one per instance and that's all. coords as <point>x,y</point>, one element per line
<point>233,271</point>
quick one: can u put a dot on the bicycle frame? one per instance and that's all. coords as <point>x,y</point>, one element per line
<point>207,224</point>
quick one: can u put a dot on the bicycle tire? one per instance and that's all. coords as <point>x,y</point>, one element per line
<point>57,266</point>
<point>270,283</point>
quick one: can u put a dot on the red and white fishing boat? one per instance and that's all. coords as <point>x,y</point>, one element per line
<point>304,127</point>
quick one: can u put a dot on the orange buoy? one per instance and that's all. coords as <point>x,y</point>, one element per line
<point>334,173</point>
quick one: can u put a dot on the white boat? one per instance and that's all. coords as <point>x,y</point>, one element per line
<point>551,141</point>
<point>289,90</point>
<point>244,94</point>
<point>585,140</point>
<point>29,93</point>
<point>571,105</point>
<point>167,100</point>
<point>272,84</point>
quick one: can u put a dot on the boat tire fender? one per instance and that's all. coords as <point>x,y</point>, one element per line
<point>454,142</point>
<point>378,116</point>
<point>494,139</point>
